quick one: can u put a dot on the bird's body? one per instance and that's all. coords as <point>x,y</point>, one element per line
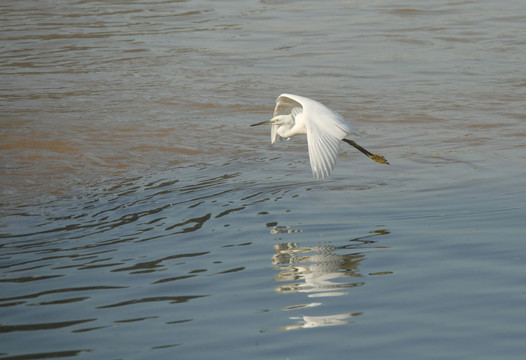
<point>325,129</point>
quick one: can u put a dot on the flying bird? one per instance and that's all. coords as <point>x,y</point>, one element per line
<point>325,129</point>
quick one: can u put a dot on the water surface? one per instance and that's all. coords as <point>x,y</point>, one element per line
<point>142,217</point>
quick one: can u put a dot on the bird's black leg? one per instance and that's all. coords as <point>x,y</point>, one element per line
<point>378,158</point>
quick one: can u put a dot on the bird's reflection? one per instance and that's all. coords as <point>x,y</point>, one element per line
<point>321,271</point>
<point>315,270</point>
<point>305,322</point>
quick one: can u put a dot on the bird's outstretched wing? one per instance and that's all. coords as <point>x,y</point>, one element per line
<point>325,130</point>
<point>286,105</point>
<point>324,149</point>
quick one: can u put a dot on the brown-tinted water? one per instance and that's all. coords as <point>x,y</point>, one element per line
<point>142,217</point>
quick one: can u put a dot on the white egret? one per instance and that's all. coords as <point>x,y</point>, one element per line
<point>325,129</point>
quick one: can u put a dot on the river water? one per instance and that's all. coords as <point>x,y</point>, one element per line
<point>141,216</point>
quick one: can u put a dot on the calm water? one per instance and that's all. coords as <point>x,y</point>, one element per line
<point>143,218</point>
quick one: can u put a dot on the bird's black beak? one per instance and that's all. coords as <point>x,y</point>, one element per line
<point>266,122</point>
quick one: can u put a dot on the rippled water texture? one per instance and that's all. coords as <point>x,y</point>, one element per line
<point>141,217</point>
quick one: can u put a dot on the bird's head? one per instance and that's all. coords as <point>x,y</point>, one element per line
<point>282,120</point>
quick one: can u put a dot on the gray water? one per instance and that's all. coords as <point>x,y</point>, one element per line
<point>143,218</point>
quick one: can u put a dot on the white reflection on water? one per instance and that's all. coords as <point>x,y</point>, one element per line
<point>317,321</point>
<point>320,271</point>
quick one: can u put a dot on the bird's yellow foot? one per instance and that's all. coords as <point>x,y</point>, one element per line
<point>379,159</point>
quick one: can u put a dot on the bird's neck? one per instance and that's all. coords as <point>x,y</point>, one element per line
<point>294,126</point>
<point>287,131</point>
